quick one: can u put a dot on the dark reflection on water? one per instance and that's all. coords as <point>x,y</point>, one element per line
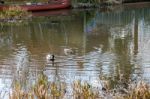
<point>106,44</point>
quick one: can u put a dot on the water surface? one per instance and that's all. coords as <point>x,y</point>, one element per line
<point>111,44</point>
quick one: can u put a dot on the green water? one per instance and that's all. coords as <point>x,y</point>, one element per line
<point>110,44</point>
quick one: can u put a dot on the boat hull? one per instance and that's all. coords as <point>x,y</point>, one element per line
<point>39,6</point>
<point>62,12</point>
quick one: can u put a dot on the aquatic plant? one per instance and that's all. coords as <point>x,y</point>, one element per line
<point>141,90</point>
<point>40,89</point>
<point>44,89</point>
<point>19,93</point>
<point>84,91</point>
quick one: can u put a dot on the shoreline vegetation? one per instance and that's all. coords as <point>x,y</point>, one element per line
<point>44,89</point>
<point>94,3</point>
<point>106,3</point>
<point>13,14</point>
<point>17,13</point>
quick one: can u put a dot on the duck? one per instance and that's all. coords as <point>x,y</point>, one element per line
<point>68,51</point>
<point>50,57</point>
<point>99,49</point>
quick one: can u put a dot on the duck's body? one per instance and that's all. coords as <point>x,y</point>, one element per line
<point>50,57</point>
<point>68,51</point>
<point>99,49</point>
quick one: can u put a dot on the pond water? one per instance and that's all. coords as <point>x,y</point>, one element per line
<point>105,44</point>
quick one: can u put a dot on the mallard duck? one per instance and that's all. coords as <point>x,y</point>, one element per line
<point>99,49</point>
<point>68,51</point>
<point>50,57</point>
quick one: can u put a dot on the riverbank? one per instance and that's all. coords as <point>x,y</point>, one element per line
<point>107,4</point>
<point>127,6</point>
<point>137,5</point>
<point>43,89</point>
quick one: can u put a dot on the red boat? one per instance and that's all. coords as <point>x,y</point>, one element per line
<point>52,5</point>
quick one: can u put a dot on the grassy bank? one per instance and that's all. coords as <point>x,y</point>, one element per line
<point>14,13</point>
<point>44,89</point>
